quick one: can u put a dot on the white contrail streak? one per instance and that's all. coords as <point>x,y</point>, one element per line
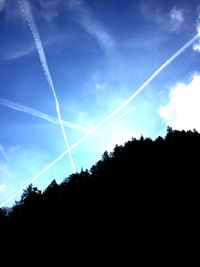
<point>25,8</point>
<point>33,179</point>
<point>181,50</point>
<point>36,113</point>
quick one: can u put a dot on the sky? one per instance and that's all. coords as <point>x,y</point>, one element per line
<point>91,74</point>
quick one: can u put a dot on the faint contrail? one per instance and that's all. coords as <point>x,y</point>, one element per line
<point>117,119</point>
<point>181,50</point>
<point>25,8</point>
<point>36,113</point>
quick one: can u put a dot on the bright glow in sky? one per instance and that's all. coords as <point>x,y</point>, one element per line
<point>98,53</point>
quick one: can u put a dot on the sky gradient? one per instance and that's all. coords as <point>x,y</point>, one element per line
<point>85,59</point>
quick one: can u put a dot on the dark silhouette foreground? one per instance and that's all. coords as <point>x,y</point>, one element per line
<point>143,193</point>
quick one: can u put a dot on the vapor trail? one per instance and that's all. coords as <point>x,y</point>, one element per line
<point>181,50</point>
<point>25,9</point>
<point>117,119</point>
<point>32,180</point>
<point>36,113</point>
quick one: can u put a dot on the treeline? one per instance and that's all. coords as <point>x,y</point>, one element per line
<point>144,183</point>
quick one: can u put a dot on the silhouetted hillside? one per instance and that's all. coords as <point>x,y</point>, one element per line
<point>143,190</point>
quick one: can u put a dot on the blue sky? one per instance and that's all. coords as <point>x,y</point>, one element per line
<point>97,54</point>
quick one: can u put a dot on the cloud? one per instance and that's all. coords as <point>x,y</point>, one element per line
<point>48,9</point>
<point>90,24</point>
<point>2,2</point>
<point>176,16</point>
<point>196,47</point>
<point>165,20</point>
<point>45,9</point>
<point>183,109</point>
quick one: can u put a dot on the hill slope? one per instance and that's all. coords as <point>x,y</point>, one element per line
<point>144,189</point>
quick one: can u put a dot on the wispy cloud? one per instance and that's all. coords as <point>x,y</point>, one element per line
<point>38,114</point>
<point>26,11</point>
<point>2,2</point>
<point>48,9</point>
<point>183,109</point>
<point>167,21</point>
<point>177,19</point>
<point>177,15</point>
<point>91,24</point>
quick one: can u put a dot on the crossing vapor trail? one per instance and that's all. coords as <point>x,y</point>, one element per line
<point>171,59</point>
<point>39,114</point>
<point>26,11</point>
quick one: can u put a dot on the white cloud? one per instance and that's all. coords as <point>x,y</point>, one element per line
<point>177,15</point>
<point>183,109</point>
<point>170,21</point>
<point>177,18</point>
<point>196,47</point>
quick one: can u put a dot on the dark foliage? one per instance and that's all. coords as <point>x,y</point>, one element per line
<point>143,192</point>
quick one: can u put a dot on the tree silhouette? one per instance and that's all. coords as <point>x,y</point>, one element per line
<point>143,190</point>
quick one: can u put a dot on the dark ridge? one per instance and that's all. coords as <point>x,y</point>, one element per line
<point>143,192</point>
